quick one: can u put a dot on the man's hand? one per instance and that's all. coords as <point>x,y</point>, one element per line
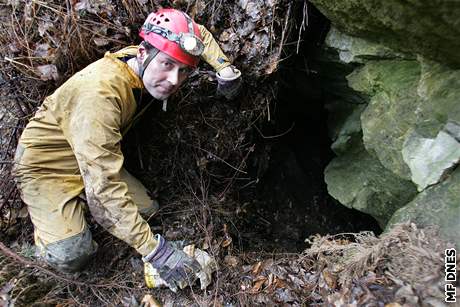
<point>175,267</point>
<point>229,82</point>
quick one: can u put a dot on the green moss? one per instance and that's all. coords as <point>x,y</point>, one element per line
<point>438,205</point>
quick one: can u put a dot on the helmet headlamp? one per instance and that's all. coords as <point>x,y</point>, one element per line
<point>191,44</point>
<point>188,41</point>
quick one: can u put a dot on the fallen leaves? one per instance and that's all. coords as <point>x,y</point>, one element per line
<point>256,268</point>
<point>331,279</point>
<point>100,41</point>
<point>47,72</point>
<point>232,261</point>
<point>258,283</point>
<point>149,301</point>
<point>359,271</point>
<point>43,51</point>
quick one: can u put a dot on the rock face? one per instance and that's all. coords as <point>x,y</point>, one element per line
<point>438,205</point>
<point>394,112</point>
<point>428,159</point>
<point>429,28</point>
<point>358,180</point>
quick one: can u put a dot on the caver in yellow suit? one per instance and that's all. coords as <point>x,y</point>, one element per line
<point>69,159</point>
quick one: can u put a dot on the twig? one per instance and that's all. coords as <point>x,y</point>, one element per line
<point>275,136</point>
<point>220,159</point>
<point>16,62</point>
<point>9,253</point>
<point>286,27</point>
<point>234,175</point>
<point>304,23</point>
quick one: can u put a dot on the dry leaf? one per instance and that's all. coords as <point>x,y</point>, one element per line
<point>227,242</point>
<point>231,261</point>
<point>100,41</point>
<point>271,279</point>
<point>280,283</point>
<point>190,250</point>
<point>270,68</point>
<point>42,51</point>
<point>149,301</point>
<point>257,268</point>
<point>14,47</point>
<point>258,283</point>
<point>330,279</point>
<point>43,27</point>
<point>393,305</point>
<point>82,5</point>
<point>48,72</point>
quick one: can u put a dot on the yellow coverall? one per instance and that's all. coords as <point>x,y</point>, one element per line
<point>72,145</point>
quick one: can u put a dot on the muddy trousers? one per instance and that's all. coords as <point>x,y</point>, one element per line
<point>61,233</point>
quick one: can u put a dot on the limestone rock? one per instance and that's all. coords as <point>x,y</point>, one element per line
<point>429,159</point>
<point>346,118</point>
<point>404,111</point>
<point>410,100</point>
<point>353,49</point>
<point>392,86</point>
<point>343,103</point>
<point>437,205</point>
<point>358,180</point>
<point>430,28</point>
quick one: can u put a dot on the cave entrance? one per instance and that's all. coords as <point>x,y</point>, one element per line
<point>292,201</point>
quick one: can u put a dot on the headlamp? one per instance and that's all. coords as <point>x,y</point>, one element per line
<point>188,42</point>
<point>191,44</point>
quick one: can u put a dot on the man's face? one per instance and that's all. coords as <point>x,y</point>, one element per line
<point>164,75</point>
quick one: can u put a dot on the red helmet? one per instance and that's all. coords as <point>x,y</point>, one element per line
<point>174,33</point>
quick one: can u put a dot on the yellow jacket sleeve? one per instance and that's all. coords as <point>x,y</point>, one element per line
<point>212,53</point>
<point>94,134</point>
<point>92,108</point>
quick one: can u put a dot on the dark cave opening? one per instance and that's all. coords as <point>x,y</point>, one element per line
<point>292,199</point>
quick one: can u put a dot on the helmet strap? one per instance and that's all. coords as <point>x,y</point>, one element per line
<point>151,54</point>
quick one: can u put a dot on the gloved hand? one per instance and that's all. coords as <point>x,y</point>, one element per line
<point>229,82</point>
<point>175,267</point>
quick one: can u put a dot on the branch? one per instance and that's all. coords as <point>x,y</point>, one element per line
<point>27,263</point>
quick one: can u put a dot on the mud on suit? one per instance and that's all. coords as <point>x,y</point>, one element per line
<point>69,158</point>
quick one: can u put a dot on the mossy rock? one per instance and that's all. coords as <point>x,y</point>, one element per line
<point>359,181</point>
<point>429,28</point>
<point>437,205</point>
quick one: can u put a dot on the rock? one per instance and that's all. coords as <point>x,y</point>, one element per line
<point>353,49</point>
<point>437,205</point>
<point>429,159</point>
<point>392,86</point>
<point>409,100</point>
<point>429,28</point>
<point>410,126</point>
<point>345,125</point>
<point>343,103</point>
<point>358,180</point>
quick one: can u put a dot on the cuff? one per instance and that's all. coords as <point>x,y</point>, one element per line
<point>149,246</point>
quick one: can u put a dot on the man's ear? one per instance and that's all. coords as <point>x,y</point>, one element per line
<point>141,53</point>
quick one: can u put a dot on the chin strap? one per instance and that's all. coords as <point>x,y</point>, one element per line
<point>152,53</point>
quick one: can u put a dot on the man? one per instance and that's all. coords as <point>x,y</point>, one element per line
<point>69,156</point>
